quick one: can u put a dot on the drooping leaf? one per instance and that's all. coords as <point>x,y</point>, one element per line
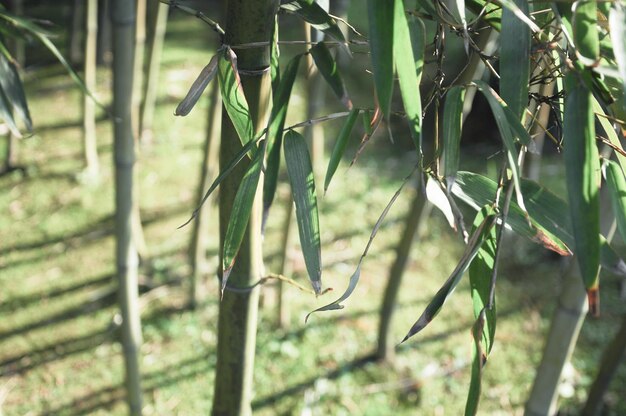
<point>370,125</point>
<point>582,171</point>
<point>311,12</point>
<point>409,69</point>
<point>515,59</point>
<point>275,133</point>
<point>354,279</point>
<point>6,114</point>
<point>340,146</point>
<point>452,124</point>
<point>504,127</point>
<point>617,23</point>
<point>434,306</point>
<point>240,214</point>
<point>275,59</point>
<point>617,187</point>
<point>13,88</point>
<point>233,97</point>
<point>484,329</point>
<point>436,196</point>
<point>610,132</point>
<point>327,66</point>
<point>510,4</point>
<point>199,85</point>
<point>381,28</point>
<point>303,189</point>
<point>584,26</point>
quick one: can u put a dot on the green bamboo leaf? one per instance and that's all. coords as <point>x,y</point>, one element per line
<point>354,279</point>
<point>617,23</point>
<point>609,131</point>
<point>13,88</point>
<point>586,40</point>
<point>313,13</point>
<point>233,97</point>
<point>504,127</point>
<point>197,88</point>
<point>582,169</point>
<point>428,7</point>
<point>240,214</point>
<point>484,329</point>
<point>329,70</point>
<point>434,306</point>
<point>303,189</point>
<point>340,146</point>
<point>6,114</point>
<point>515,59</point>
<point>275,59</point>
<point>617,186</point>
<point>381,17</point>
<point>491,12</point>
<point>510,5</point>
<point>409,69</point>
<point>367,122</point>
<point>452,124</point>
<point>275,133</point>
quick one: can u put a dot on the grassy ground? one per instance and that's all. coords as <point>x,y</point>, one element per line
<point>59,353</point>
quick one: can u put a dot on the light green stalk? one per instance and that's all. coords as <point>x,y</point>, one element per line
<point>89,106</point>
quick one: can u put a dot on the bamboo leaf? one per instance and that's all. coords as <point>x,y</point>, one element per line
<point>586,38</point>
<point>491,12</point>
<point>438,198</point>
<point>240,214</point>
<point>13,88</point>
<point>504,127</point>
<point>313,13</point>
<point>6,114</point>
<point>617,23</point>
<point>510,5</point>
<point>381,28</point>
<point>233,97</point>
<point>303,188</point>
<point>434,306</point>
<point>609,131</point>
<point>617,187</point>
<point>275,133</point>
<point>197,88</point>
<point>329,70</point>
<point>275,59</point>
<point>515,59</point>
<point>409,69</point>
<point>452,124</point>
<point>484,329</point>
<point>582,169</point>
<point>340,146</point>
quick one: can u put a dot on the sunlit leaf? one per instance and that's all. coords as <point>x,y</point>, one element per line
<point>340,146</point>
<point>617,22</point>
<point>582,169</point>
<point>409,69</point>
<point>610,132</point>
<point>586,39</point>
<point>312,13</point>
<point>451,134</point>
<point>199,85</point>
<point>275,59</point>
<point>240,214</point>
<point>515,59</point>
<point>327,66</point>
<point>617,187</point>
<point>381,27</point>
<point>434,306</point>
<point>303,189</point>
<point>510,4</point>
<point>275,132</point>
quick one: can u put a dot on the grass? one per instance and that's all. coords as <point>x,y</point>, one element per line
<point>59,350</point>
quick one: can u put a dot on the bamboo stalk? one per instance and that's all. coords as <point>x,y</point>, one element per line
<point>90,147</point>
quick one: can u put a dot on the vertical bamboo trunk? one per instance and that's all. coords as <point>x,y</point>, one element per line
<point>562,336</point>
<point>158,24</point>
<point>89,107</point>
<point>246,21</point>
<point>612,357</point>
<point>197,252</point>
<point>123,20</point>
<point>284,268</point>
<point>140,47</point>
<point>412,226</point>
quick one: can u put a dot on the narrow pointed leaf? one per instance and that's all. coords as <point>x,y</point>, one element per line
<point>233,97</point>
<point>303,188</point>
<point>610,132</point>
<point>617,23</point>
<point>240,214</point>
<point>327,66</point>
<point>313,13</point>
<point>275,132</point>
<point>409,69</point>
<point>381,17</point>
<point>483,331</point>
<point>434,306</point>
<point>452,123</point>
<point>6,114</point>
<point>617,187</point>
<point>515,59</point>
<point>275,59</point>
<point>197,88</point>
<point>504,127</point>
<point>510,4</point>
<point>13,88</point>
<point>582,169</point>
<point>584,21</point>
<point>340,146</point>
